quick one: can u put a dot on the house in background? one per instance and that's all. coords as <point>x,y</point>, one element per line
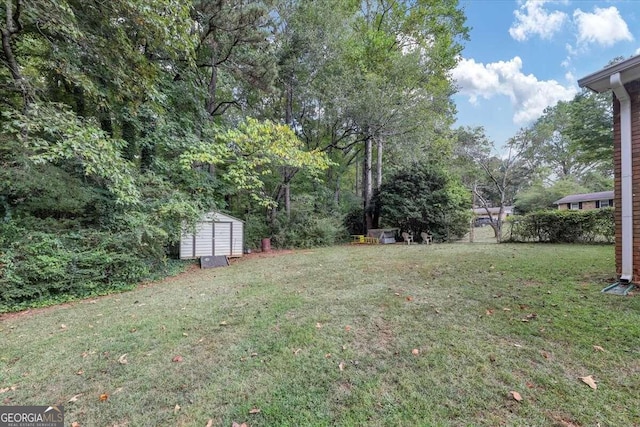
<point>587,201</point>
<point>481,216</point>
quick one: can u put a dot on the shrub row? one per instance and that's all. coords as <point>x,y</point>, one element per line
<point>564,226</point>
<point>42,267</point>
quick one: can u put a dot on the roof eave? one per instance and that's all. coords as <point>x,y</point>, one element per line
<point>600,81</point>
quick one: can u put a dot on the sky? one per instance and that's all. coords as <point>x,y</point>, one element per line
<point>526,55</point>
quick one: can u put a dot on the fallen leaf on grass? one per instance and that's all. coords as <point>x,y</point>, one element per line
<point>75,398</point>
<point>296,351</point>
<point>516,396</point>
<point>409,298</point>
<point>327,356</point>
<point>63,326</point>
<point>318,325</point>
<point>123,359</point>
<point>347,328</point>
<point>80,372</point>
<point>397,294</point>
<point>341,366</point>
<point>103,397</point>
<point>6,389</point>
<point>254,411</point>
<point>545,354</point>
<point>177,359</point>
<point>210,423</point>
<point>530,384</point>
<point>176,409</point>
<point>489,312</point>
<point>506,309</point>
<point>598,348</point>
<point>415,352</point>
<point>223,323</point>
<point>235,424</point>
<point>75,424</point>
<point>588,380</point>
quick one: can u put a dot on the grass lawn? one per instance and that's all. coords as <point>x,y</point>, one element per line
<point>351,336</point>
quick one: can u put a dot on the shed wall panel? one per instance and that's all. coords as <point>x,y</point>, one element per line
<point>186,245</point>
<point>223,238</point>
<point>204,239</point>
<point>237,239</point>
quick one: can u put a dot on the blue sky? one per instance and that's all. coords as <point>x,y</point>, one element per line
<point>526,55</point>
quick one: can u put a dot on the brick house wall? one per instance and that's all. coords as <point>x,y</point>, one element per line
<point>586,206</point>
<point>633,88</point>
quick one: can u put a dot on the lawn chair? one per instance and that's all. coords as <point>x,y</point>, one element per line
<point>427,238</point>
<point>407,237</point>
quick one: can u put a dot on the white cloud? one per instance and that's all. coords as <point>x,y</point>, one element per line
<point>570,76</point>
<point>604,26</point>
<point>529,96</point>
<point>637,51</point>
<point>533,19</point>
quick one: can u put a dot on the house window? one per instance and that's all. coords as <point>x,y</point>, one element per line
<point>604,204</point>
<point>575,206</point>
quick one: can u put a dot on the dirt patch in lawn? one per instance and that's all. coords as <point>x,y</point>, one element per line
<point>270,254</point>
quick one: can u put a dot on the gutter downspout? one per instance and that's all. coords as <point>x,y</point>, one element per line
<point>626,176</point>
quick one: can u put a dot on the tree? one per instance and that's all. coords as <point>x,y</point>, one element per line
<point>570,139</point>
<point>253,150</point>
<point>233,55</point>
<point>540,197</point>
<point>591,129</point>
<point>494,179</point>
<point>425,198</point>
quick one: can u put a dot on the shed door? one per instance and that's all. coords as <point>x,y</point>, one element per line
<point>203,239</point>
<point>223,238</point>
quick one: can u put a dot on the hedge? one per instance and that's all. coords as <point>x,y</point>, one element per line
<point>564,226</point>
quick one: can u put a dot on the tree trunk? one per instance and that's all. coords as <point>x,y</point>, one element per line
<point>367,187</point>
<point>288,111</point>
<point>12,21</point>
<point>472,229</point>
<point>287,200</point>
<point>213,84</point>
<point>379,165</point>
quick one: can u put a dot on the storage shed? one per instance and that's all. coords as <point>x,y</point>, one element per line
<point>216,234</point>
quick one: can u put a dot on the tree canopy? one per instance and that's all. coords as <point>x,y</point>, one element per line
<point>121,121</point>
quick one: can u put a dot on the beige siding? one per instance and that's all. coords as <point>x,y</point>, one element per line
<point>216,234</point>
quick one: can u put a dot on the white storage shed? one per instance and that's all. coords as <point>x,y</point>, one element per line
<point>216,234</point>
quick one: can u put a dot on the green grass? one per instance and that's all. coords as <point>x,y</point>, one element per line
<point>271,333</point>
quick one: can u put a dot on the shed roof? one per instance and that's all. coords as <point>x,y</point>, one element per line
<point>217,216</point>
<point>585,197</point>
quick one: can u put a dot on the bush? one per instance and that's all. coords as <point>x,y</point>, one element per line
<point>307,227</point>
<point>37,267</point>
<point>564,226</point>
<point>255,229</point>
<point>425,197</point>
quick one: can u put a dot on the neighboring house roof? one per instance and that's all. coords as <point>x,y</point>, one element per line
<point>494,211</point>
<point>586,197</point>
